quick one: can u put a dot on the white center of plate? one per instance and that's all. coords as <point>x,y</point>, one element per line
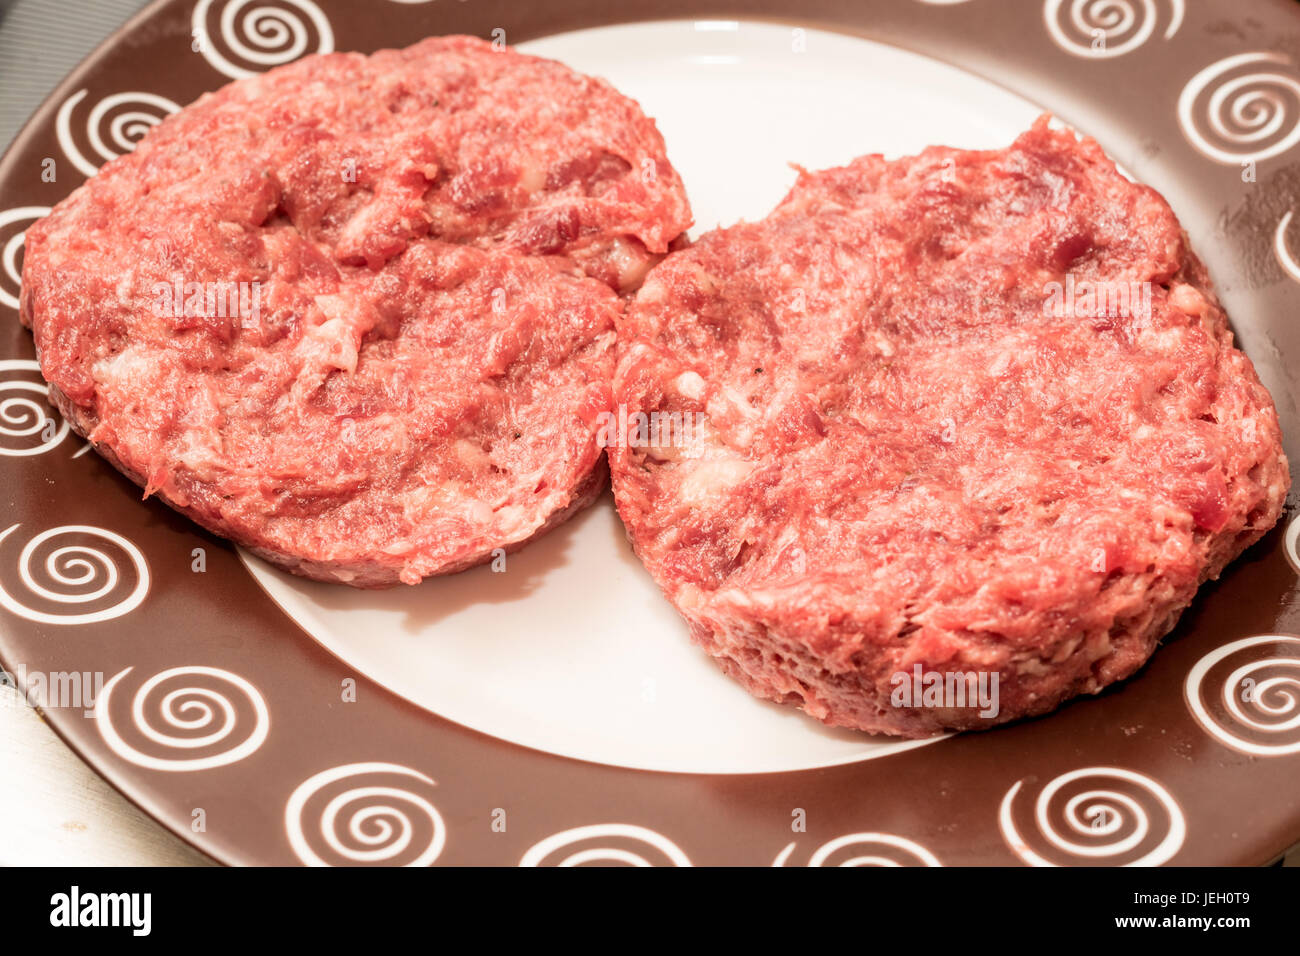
<point>572,649</point>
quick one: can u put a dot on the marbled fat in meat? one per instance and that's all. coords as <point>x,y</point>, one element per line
<point>922,446</point>
<point>428,246</point>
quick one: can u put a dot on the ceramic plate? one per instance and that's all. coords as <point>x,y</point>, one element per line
<point>554,711</point>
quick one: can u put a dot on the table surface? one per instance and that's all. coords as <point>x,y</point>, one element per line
<point>54,810</point>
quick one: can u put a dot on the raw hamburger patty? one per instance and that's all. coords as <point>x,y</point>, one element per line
<point>343,312</point>
<point>904,458</point>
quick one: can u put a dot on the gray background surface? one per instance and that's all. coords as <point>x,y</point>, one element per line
<point>40,42</point>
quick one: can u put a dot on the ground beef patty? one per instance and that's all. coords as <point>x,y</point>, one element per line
<point>902,436</point>
<point>343,313</point>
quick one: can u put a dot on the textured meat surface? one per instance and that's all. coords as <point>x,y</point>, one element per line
<point>415,257</point>
<point>907,456</point>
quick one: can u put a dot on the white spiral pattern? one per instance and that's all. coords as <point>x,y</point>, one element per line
<point>1119,816</point>
<point>1123,25</point>
<point>868,849</point>
<point>368,820</point>
<point>1283,251</point>
<point>254,38</point>
<point>1244,108</point>
<point>110,120</point>
<point>75,574</point>
<point>617,843</point>
<point>1291,543</point>
<point>26,419</point>
<point>11,280</point>
<point>1259,698</point>
<point>199,708</point>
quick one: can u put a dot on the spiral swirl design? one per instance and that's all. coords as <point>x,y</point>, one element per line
<point>26,424</point>
<point>1245,108</point>
<point>1282,250</point>
<point>866,849</point>
<point>184,719</point>
<point>608,843</point>
<point>365,813</point>
<point>1291,543</point>
<point>1122,25</point>
<point>252,38</point>
<point>10,245</point>
<point>1114,810</point>
<point>1248,698</point>
<point>114,126</point>
<point>64,579</point>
